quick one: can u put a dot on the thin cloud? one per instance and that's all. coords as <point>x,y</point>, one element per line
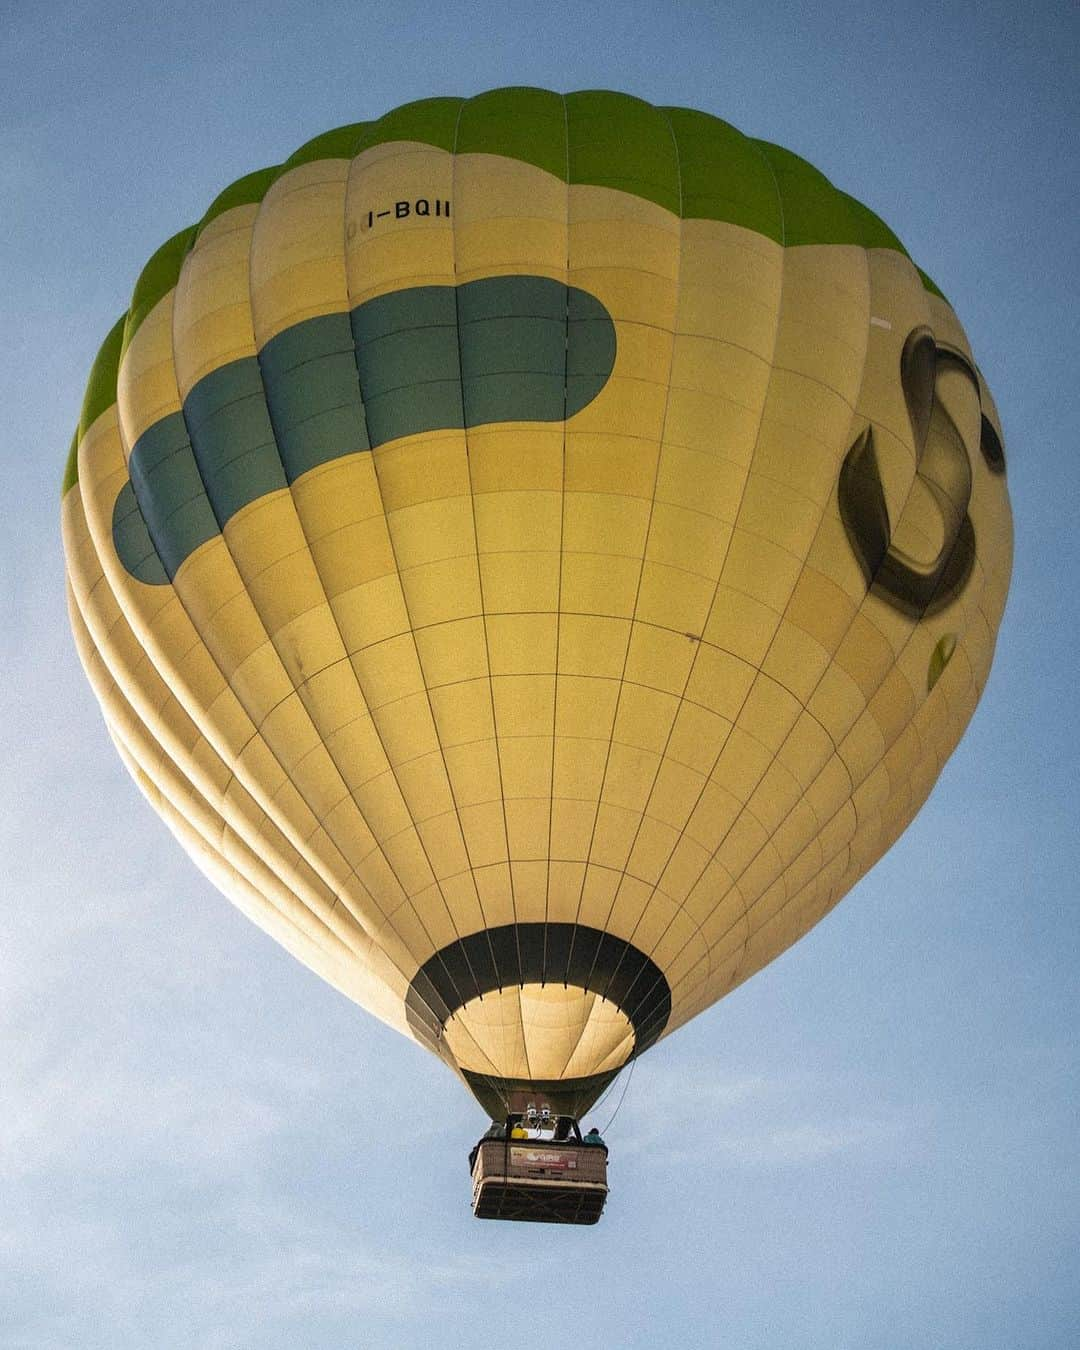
<point>81,1107</point>
<point>755,1121</point>
<point>281,1272</point>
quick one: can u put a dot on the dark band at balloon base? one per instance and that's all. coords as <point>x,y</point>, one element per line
<point>515,955</point>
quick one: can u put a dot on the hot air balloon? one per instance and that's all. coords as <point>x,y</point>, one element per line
<point>536,553</point>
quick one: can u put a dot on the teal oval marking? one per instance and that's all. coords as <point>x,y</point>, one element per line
<point>132,540</point>
<point>502,349</point>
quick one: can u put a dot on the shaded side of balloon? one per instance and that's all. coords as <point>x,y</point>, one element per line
<point>428,358</point>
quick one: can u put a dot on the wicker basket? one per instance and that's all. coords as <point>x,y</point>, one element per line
<point>536,1181</point>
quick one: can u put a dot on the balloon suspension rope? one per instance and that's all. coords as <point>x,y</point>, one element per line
<point>618,1108</point>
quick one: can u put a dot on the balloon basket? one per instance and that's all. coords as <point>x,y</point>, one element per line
<point>530,1181</point>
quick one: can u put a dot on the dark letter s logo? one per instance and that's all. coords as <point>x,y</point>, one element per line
<point>943,470</point>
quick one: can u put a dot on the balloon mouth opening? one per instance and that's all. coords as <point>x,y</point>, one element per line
<point>553,1003</point>
<point>539,1032</point>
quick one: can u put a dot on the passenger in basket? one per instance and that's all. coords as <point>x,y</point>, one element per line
<point>519,1131</point>
<point>593,1137</point>
<point>496,1130</point>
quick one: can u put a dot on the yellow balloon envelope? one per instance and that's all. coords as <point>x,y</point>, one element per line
<point>536,553</point>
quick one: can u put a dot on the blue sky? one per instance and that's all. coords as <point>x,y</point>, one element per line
<point>873,1143</point>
